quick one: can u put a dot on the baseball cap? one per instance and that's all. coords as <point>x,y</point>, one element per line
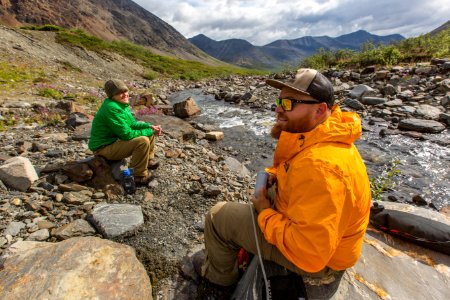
<point>309,82</point>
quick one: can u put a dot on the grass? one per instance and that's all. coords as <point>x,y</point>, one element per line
<point>11,74</point>
<point>155,65</point>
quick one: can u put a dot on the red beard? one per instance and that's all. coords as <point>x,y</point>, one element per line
<point>276,130</point>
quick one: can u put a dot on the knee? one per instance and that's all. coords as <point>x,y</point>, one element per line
<point>213,212</point>
<point>142,141</point>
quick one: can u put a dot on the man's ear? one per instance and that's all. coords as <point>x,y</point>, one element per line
<point>321,110</point>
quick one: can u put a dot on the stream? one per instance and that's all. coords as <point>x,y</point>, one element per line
<point>423,165</point>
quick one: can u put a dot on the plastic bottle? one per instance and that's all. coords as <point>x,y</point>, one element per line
<point>128,181</point>
<point>261,181</point>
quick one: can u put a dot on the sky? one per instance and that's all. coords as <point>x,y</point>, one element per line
<point>264,21</point>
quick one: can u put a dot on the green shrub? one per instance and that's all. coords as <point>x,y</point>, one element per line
<point>417,49</point>
<point>50,93</point>
<point>46,27</point>
<point>150,75</point>
<point>385,182</point>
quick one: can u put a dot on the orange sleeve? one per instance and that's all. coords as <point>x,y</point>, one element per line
<point>313,222</point>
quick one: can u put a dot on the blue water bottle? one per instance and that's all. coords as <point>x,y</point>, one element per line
<point>128,181</point>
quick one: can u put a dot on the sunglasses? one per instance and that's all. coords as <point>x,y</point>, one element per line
<point>288,104</point>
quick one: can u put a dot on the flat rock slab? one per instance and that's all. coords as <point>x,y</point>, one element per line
<point>113,220</point>
<point>78,268</point>
<point>419,125</point>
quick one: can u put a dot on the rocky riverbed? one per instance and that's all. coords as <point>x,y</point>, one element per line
<point>196,172</point>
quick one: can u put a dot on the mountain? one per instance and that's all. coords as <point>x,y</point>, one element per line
<point>441,28</point>
<point>282,52</point>
<point>107,19</point>
<point>357,38</point>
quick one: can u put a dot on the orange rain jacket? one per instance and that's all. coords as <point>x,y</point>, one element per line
<point>323,195</point>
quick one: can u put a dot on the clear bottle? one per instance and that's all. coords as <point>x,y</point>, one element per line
<point>128,181</point>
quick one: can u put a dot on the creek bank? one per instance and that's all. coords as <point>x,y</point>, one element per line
<point>194,173</point>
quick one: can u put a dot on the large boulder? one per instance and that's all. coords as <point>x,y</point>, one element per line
<point>78,268</point>
<point>18,173</point>
<point>186,108</point>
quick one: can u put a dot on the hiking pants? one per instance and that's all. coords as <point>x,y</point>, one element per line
<point>229,227</point>
<point>141,150</point>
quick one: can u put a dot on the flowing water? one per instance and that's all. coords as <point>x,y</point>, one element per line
<point>424,165</point>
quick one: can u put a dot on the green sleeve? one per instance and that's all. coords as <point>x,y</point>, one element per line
<point>121,125</point>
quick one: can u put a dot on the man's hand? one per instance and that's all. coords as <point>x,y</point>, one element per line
<point>156,129</point>
<point>261,202</point>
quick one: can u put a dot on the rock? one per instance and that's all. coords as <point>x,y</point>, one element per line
<point>429,112</point>
<point>82,133</point>
<point>173,126</point>
<point>417,199</point>
<point>368,70</point>
<point>76,119</point>
<point>78,227</point>
<point>353,103</point>
<point>372,100</point>
<point>44,224</point>
<point>113,220</point>
<point>14,228</point>
<point>78,172</point>
<point>426,126</point>
<point>72,187</point>
<point>212,191</point>
<point>18,173</point>
<point>75,198</point>
<point>87,267</point>
<point>236,166</point>
<point>361,90</point>
<point>214,135</point>
<point>186,108</point>
<point>40,235</point>
<point>381,75</point>
<point>444,85</point>
<point>394,103</point>
<point>390,90</point>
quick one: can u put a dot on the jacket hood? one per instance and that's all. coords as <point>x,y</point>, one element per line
<point>340,127</point>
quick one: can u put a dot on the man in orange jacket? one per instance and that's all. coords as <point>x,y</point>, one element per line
<point>315,226</point>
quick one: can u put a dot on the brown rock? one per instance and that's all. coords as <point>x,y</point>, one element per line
<point>214,135</point>
<point>87,267</point>
<point>78,172</point>
<point>78,227</point>
<point>186,108</point>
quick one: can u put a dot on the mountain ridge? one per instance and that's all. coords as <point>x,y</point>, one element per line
<point>106,19</point>
<point>281,52</point>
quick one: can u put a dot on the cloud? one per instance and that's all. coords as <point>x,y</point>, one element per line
<point>261,22</point>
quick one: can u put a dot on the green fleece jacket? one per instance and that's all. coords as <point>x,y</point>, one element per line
<point>113,122</point>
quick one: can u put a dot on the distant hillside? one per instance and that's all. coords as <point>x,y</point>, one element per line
<point>282,52</point>
<point>107,19</point>
<point>441,28</point>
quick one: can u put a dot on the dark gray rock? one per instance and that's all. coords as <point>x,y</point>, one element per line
<point>373,100</point>
<point>113,220</point>
<point>426,126</point>
<point>353,103</point>
<point>14,228</point>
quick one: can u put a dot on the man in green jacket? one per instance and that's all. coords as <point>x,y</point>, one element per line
<point>115,134</point>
